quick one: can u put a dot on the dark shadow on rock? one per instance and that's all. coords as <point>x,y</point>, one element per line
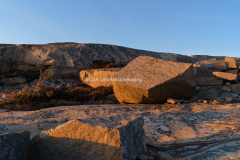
<point>55,148</point>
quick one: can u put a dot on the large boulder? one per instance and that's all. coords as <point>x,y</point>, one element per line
<point>150,80</point>
<point>116,137</point>
<point>98,77</point>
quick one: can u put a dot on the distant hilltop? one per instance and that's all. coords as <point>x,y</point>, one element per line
<point>2,44</point>
<point>78,56</point>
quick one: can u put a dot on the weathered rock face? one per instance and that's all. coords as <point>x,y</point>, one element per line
<point>150,80</point>
<point>71,55</point>
<point>92,139</point>
<point>98,77</point>
<point>14,145</point>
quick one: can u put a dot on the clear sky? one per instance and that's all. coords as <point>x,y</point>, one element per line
<point>187,27</point>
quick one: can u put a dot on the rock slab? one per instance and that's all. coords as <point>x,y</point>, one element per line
<point>15,146</point>
<point>141,82</point>
<point>98,77</point>
<point>116,137</point>
<point>226,76</point>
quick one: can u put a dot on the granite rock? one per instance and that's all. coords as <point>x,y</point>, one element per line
<point>171,79</point>
<point>115,137</point>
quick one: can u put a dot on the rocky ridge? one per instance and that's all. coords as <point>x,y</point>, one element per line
<point>73,57</point>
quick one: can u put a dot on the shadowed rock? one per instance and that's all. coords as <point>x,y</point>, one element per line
<point>203,72</point>
<point>14,146</point>
<point>201,81</point>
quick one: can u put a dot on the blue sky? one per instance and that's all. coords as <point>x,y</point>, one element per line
<point>187,27</point>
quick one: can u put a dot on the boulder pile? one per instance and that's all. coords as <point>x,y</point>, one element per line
<point>217,80</point>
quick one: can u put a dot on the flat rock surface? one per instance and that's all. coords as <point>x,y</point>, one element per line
<point>194,130</point>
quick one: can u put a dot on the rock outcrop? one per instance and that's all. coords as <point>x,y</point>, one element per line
<point>160,80</point>
<point>71,55</point>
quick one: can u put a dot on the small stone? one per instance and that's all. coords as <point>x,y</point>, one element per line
<point>164,156</point>
<point>219,99</point>
<point>232,95</point>
<point>205,101</point>
<point>236,88</point>
<point>4,95</point>
<point>187,107</point>
<point>145,157</point>
<point>203,88</point>
<point>199,100</point>
<point>173,101</point>
<point>4,110</point>
<point>226,89</point>
<point>197,88</point>
<point>228,84</point>
<point>193,99</point>
<point>153,154</point>
<point>229,99</point>
<point>215,101</point>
